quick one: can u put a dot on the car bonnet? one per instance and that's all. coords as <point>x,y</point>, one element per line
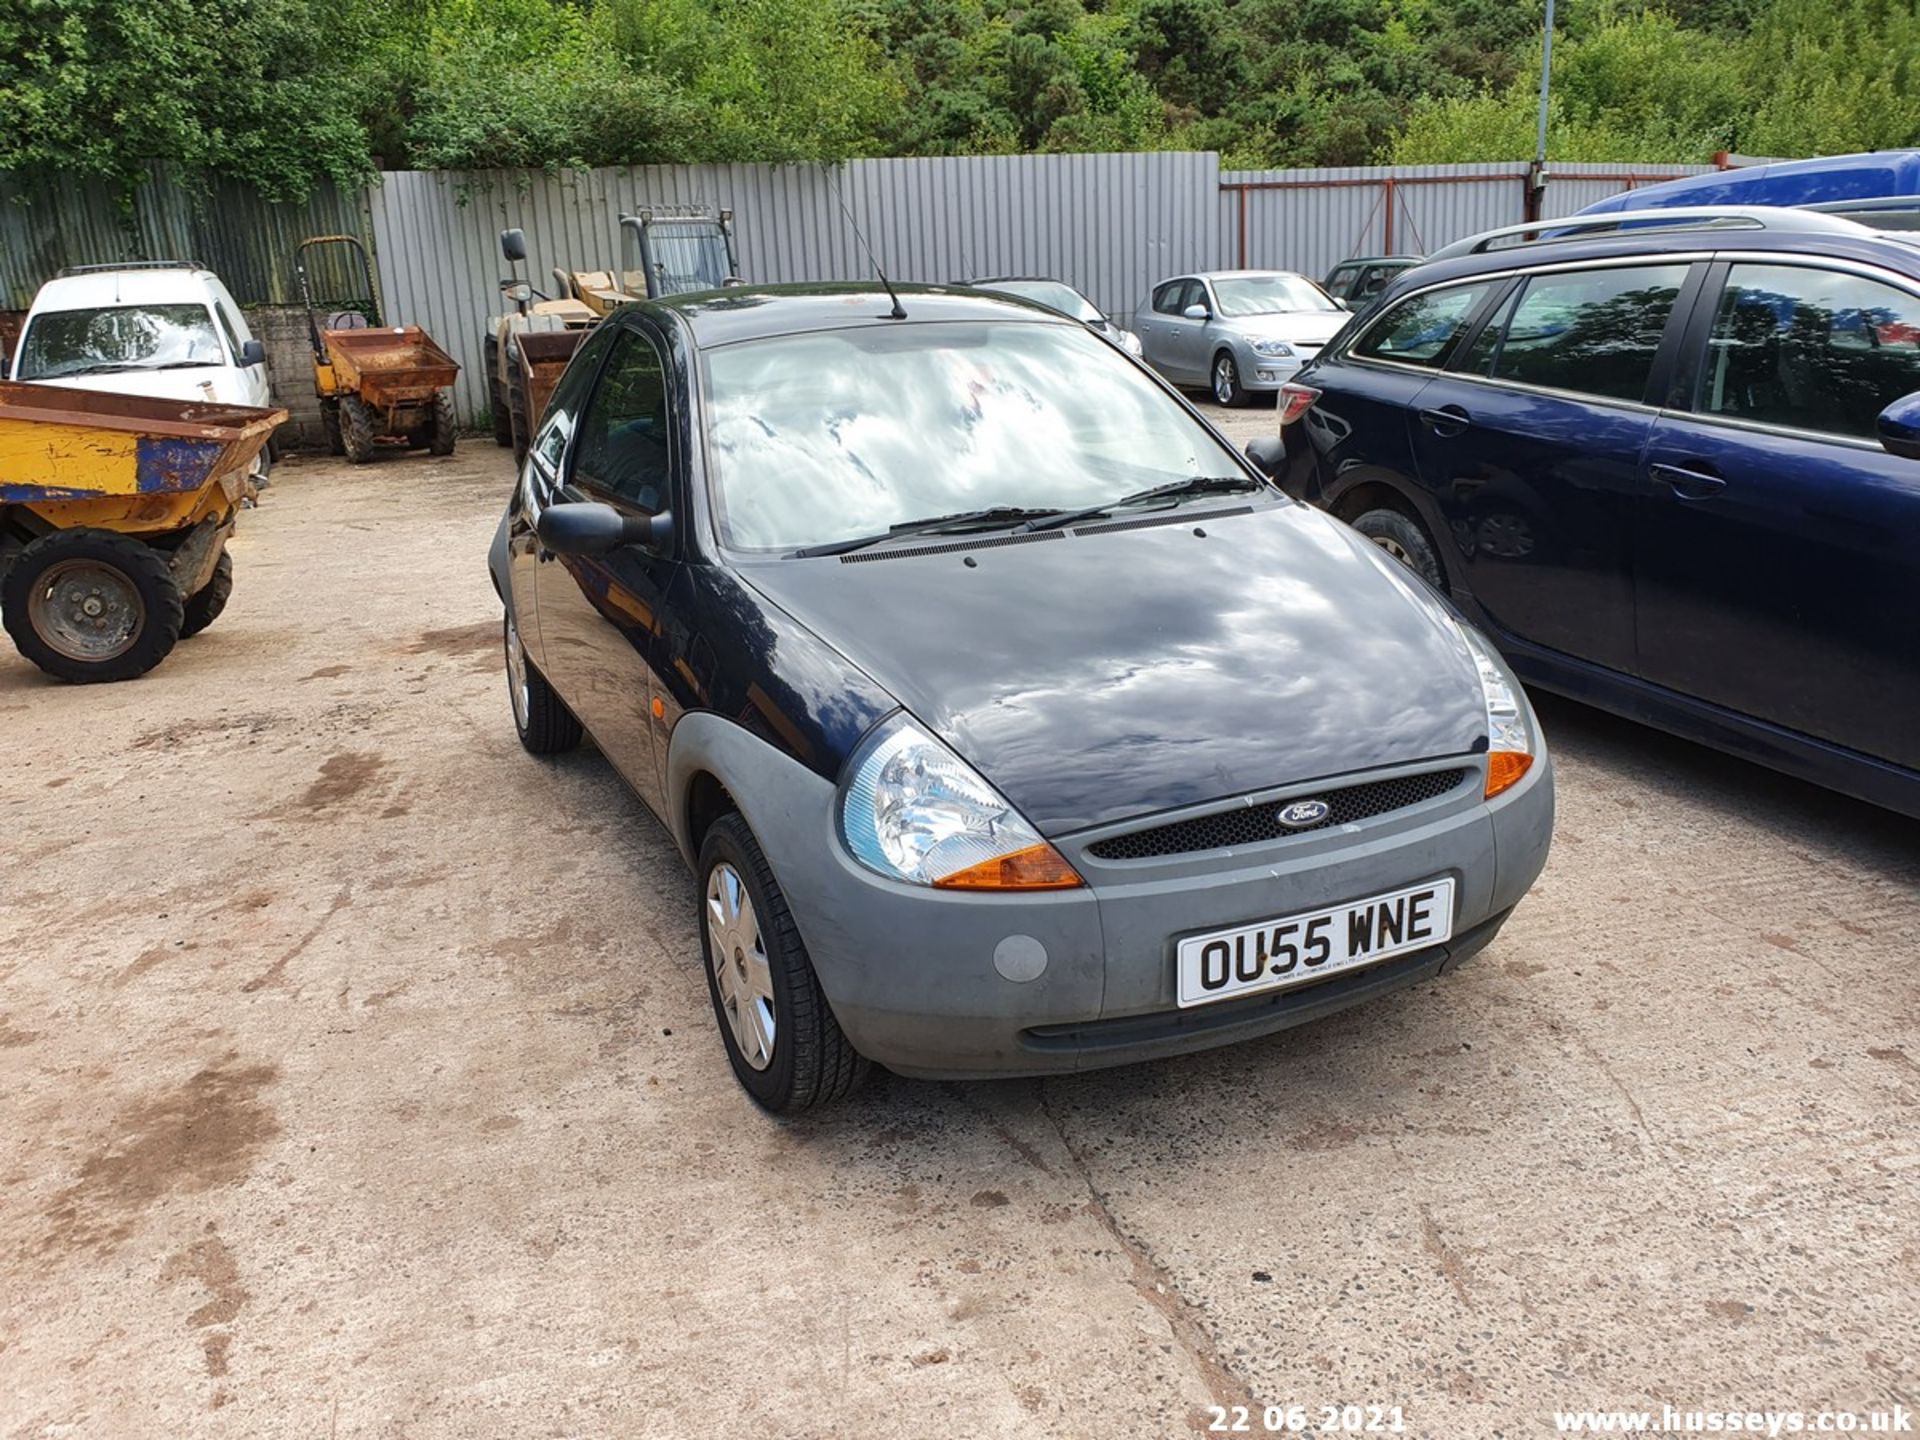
<point>1100,676</point>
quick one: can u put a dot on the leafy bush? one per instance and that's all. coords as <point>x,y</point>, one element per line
<point>286,92</point>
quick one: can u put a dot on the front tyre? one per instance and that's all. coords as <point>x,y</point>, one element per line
<point>786,1049</point>
<point>1227,389</point>
<point>358,427</point>
<point>440,428</point>
<point>91,606</point>
<point>545,726</point>
<point>1402,537</point>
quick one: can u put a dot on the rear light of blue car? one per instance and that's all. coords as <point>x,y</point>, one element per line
<point>1295,400</point>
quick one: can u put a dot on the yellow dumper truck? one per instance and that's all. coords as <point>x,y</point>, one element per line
<point>114,517</point>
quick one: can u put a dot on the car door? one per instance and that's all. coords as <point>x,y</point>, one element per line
<point>1192,347</point>
<point>1531,446</point>
<point>1778,543</point>
<point>540,482</point>
<point>1359,430</point>
<point>1161,327</point>
<point>600,614</point>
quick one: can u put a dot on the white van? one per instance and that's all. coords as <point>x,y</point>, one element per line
<point>164,327</point>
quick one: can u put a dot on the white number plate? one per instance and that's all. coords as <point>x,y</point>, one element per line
<point>1298,949</point>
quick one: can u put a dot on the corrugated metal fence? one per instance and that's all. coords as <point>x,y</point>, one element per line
<point>1310,220</point>
<point>47,225</point>
<point>1109,224</point>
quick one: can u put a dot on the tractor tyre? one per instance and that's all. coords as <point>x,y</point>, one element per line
<point>330,423</point>
<point>203,607</point>
<point>357,429</point>
<point>439,430</point>
<point>497,395</point>
<point>522,422</point>
<point>90,606</point>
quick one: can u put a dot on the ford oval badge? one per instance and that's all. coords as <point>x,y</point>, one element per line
<point>1299,814</point>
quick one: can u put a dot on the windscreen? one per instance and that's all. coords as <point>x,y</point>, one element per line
<point>1242,295</point>
<point>826,436</point>
<point>118,337</point>
<point>687,255</point>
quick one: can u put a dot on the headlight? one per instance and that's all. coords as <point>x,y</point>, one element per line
<point>913,810</point>
<point>1509,738</point>
<point>1278,349</point>
<point>1129,342</point>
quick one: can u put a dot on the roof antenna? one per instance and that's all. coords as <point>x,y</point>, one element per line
<point>899,311</point>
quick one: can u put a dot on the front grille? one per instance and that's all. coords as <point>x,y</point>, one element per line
<point>1258,824</point>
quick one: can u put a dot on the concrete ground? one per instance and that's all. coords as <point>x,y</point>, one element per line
<point>357,1078</point>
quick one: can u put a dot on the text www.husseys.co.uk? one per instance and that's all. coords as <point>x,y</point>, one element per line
<point>1671,1420</point>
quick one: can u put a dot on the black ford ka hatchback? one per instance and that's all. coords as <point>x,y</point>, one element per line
<point>1010,722</point>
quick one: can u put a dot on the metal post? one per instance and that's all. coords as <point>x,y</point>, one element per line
<point>1536,189</point>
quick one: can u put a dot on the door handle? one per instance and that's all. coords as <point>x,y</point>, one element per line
<point>1688,484</point>
<point>1447,420</point>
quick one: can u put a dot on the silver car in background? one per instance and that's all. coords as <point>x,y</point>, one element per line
<point>1058,295</point>
<point>1235,332</point>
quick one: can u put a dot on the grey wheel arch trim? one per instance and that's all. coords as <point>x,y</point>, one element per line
<point>776,794</point>
<point>788,807</point>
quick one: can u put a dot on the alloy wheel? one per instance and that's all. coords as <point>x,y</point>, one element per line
<point>740,966</point>
<point>1223,379</point>
<point>1395,549</point>
<point>517,686</point>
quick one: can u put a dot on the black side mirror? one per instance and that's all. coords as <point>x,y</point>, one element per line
<point>513,244</point>
<point>1899,427</point>
<point>1268,453</point>
<point>252,353</point>
<point>587,527</point>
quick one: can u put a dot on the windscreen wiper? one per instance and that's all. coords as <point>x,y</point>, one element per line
<point>963,519</point>
<point>101,368</point>
<point>1193,485</point>
<point>179,365</point>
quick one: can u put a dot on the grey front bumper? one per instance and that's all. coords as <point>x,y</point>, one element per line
<point>919,979</point>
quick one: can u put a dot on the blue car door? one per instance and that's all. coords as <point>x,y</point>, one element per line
<point>1358,432</point>
<point>600,614</point>
<point>1778,544</point>
<point>1530,445</point>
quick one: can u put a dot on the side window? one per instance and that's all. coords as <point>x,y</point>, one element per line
<point>1422,329</point>
<point>623,440</point>
<point>556,425</point>
<point>1810,349</point>
<point>1166,299</point>
<point>1372,283</point>
<point>1591,331</point>
<point>1340,283</point>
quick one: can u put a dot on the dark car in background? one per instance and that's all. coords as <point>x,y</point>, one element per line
<point>1010,722</point>
<point>1669,460</point>
<point>1354,283</point>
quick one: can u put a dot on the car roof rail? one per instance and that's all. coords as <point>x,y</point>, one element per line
<point>1775,218</point>
<point>130,265</point>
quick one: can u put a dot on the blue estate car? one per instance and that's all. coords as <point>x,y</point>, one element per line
<point>1669,461</point>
